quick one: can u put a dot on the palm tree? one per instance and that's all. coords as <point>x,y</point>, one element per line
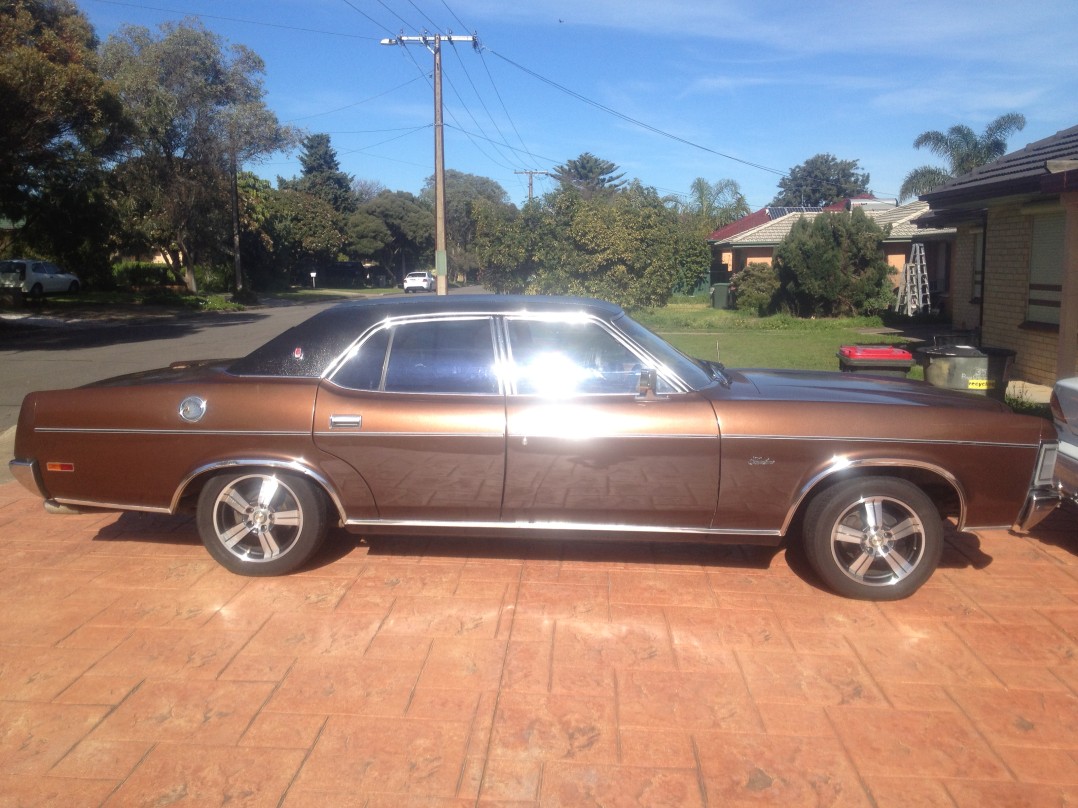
<point>712,205</point>
<point>962,149</point>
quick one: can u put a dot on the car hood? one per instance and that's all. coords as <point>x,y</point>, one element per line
<point>851,388</point>
<point>176,372</point>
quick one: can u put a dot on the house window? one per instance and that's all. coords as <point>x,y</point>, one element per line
<point>977,266</point>
<point>1046,269</point>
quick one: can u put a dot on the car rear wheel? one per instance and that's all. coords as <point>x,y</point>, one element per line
<point>261,522</point>
<point>873,538</point>
<point>37,291</point>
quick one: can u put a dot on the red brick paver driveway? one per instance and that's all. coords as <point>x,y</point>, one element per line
<point>135,671</point>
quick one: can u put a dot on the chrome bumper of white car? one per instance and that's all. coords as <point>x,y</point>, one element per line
<point>1066,476</point>
<point>1044,495</point>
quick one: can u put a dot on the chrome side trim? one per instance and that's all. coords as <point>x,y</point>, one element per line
<point>248,462</point>
<point>587,527</point>
<point>192,431</point>
<point>109,506</point>
<point>841,464</point>
<point>848,439</point>
<point>619,435</point>
<point>330,434</point>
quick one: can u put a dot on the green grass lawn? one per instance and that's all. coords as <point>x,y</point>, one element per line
<point>738,340</point>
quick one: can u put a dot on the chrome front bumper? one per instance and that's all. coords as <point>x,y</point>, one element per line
<point>1066,476</point>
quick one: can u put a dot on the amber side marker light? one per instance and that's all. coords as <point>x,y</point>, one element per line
<point>59,466</point>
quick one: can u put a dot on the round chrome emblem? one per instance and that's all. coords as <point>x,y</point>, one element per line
<point>192,409</point>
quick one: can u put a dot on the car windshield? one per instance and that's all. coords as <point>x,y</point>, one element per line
<point>687,369</point>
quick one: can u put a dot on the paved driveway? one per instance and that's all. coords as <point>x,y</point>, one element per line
<point>134,671</point>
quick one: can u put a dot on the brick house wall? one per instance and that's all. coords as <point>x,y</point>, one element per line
<point>965,310</point>
<point>1008,241</point>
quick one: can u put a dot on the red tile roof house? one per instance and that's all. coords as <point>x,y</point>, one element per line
<point>1016,254</point>
<point>754,238</point>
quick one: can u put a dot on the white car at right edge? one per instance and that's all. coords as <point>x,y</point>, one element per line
<point>1065,414</point>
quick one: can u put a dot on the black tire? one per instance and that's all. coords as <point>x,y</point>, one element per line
<point>261,522</point>
<point>873,538</point>
<point>73,288</point>
<point>37,291</point>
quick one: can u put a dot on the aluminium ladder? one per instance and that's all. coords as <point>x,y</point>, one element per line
<point>914,294</point>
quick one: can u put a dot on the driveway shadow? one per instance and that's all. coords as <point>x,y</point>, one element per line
<point>92,334</point>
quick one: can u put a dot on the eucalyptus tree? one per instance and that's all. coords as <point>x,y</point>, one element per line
<point>59,122</point>
<point>821,180</point>
<point>462,193</point>
<point>197,112</point>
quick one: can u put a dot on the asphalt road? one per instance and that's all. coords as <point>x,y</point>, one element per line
<point>37,353</point>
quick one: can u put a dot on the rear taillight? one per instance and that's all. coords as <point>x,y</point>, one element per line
<point>1057,410</point>
<point>1044,473</point>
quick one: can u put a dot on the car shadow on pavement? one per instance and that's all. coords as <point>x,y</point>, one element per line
<point>103,334</point>
<point>560,549</point>
<point>1059,530</point>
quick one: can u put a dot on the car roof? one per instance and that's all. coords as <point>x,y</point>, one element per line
<point>308,348</point>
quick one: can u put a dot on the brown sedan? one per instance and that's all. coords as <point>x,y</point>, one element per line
<point>536,416</point>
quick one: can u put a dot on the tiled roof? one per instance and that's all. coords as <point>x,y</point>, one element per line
<point>1016,173</point>
<point>754,220</point>
<point>901,220</point>
<point>772,232</point>
<point>899,217</point>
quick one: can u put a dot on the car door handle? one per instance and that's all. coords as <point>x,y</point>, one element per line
<point>345,421</point>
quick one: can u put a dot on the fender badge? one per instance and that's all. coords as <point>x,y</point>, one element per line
<point>761,461</point>
<point>192,409</point>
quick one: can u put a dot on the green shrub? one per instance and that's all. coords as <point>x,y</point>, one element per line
<point>140,275</point>
<point>832,266</point>
<point>755,288</point>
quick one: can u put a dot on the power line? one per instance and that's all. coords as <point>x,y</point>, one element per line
<point>635,121</point>
<point>355,103</point>
<point>365,15</point>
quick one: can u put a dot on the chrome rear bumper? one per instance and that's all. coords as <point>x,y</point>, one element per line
<point>26,473</point>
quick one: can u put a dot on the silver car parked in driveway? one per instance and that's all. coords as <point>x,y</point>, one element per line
<point>1065,413</point>
<point>36,278</point>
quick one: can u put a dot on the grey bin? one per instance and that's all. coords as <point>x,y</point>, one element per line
<point>983,370</point>
<point>720,295</point>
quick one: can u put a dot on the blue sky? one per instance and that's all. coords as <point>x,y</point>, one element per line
<point>669,90</point>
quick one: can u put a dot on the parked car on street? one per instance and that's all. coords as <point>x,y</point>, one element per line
<point>531,416</point>
<point>36,278</point>
<point>419,282</point>
<point>1065,412</point>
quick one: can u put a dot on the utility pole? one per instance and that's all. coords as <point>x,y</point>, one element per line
<point>531,180</point>
<point>434,45</point>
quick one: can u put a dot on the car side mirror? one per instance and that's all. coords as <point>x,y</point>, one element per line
<point>647,384</point>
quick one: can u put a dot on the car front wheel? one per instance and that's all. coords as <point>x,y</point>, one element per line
<point>873,538</point>
<point>261,522</point>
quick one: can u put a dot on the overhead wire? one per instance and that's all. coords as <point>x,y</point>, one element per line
<point>634,121</point>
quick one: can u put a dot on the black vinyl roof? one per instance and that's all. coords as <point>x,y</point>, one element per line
<point>308,349</point>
